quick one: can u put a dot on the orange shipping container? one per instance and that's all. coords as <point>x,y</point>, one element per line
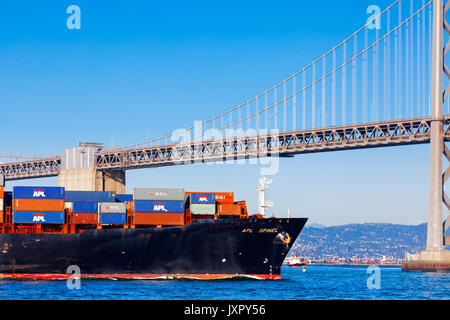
<point>159,219</point>
<point>229,209</point>
<point>38,204</point>
<point>85,218</point>
<point>224,197</point>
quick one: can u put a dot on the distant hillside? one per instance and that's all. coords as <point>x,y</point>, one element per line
<point>371,240</point>
<point>316,225</point>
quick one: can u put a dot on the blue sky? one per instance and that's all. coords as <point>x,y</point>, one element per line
<point>139,69</point>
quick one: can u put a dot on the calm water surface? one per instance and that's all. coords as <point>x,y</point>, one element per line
<point>318,282</point>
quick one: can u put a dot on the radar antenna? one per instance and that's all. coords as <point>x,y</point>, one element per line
<point>263,204</point>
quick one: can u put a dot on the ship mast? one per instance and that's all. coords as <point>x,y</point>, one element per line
<point>263,204</point>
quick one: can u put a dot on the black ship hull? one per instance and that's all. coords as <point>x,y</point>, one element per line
<point>210,249</point>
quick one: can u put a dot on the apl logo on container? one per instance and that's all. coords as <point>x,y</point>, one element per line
<point>202,199</point>
<point>38,217</point>
<point>159,207</point>
<point>38,193</point>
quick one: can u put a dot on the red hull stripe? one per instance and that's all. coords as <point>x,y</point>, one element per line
<point>36,276</point>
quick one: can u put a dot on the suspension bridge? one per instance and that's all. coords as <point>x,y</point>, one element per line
<point>381,86</point>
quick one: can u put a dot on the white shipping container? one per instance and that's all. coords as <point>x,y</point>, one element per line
<point>206,209</point>
<point>113,207</point>
<point>158,194</point>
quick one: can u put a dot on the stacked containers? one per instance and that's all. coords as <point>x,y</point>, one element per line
<point>85,205</point>
<point>203,204</point>
<point>158,206</point>
<point>113,212</point>
<point>84,212</point>
<point>38,205</point>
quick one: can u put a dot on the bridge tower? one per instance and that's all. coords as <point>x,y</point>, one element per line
<point>79,173</point>
<point>435,258</point>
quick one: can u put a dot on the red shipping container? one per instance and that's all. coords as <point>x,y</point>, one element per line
<point>38,204</point>
<point>85,218</point>
<point>159,219</point>
<point>224,197</point>
<point>229,209</point>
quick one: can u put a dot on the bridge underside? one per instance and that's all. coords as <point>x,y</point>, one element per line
<point>285,144</point>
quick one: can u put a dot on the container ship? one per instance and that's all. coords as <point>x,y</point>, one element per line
<point>150,234</point>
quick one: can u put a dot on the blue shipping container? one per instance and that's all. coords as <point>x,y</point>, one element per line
<point>124,198</point>
<point>38,193</point>
<point>90,196</point>
<point>203,198</point>
<point>85,207</point>
<point>113,218</point>
<point>151,206</point>
<point>38,217</point>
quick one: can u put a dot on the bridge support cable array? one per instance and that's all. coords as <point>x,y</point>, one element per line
<point>379,73</point>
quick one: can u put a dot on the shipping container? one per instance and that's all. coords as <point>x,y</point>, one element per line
<point>158,206</point>
<point>224,197</point>
<point>158,194</point>
<point>203,198</point>
<point>159,219</point>
<point>221,197</point>
<point>113,218</point>
<point>90,196</point>
<point>112,207</point>
<point>39,193</point>
<point>44,217</point>
<point>85,218</point>
<point>85,207</point>
<point>209,209</point>
<point>38,205</point>
<point>229,209</point>
<point>124,198</point>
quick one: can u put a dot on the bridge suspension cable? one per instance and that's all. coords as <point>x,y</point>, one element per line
<point>17,157</point>
<point>378,73</point>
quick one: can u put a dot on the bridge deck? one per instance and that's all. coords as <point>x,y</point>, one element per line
<point>284,144</point>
